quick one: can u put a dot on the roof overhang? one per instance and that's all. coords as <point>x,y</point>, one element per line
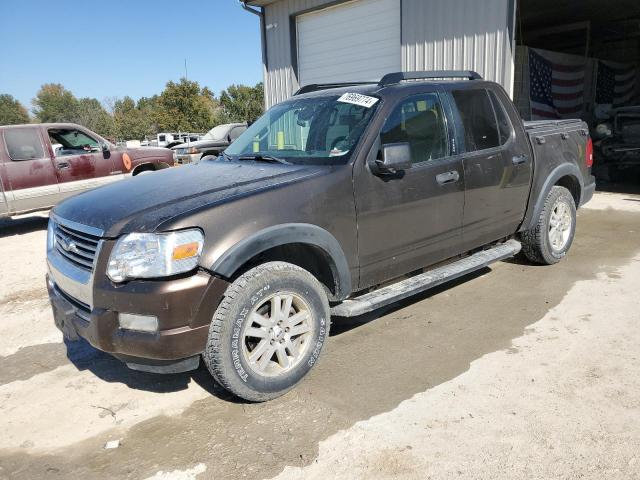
<point>259,3</point>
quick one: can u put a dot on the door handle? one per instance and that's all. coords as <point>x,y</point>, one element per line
<point>448,177</point>
<point>62,165</point>
<point>519,159</point>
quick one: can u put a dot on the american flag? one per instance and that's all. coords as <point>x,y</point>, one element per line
<point>615,85</point>
<point>556,89</point>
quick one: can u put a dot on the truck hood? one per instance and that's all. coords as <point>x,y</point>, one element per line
<point>202,144</point>
<point>144,202</point>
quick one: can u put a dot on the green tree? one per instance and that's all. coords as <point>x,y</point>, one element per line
<point>54,103</point>
<point>131,122</point>
<point>11,111</point>
<point>184,106</point>
<point>91,114</point>
<point>241,103</point>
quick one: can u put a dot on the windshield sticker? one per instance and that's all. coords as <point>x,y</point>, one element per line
<point>358,99</point>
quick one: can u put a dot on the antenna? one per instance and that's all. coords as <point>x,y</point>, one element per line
<point>186,74</point>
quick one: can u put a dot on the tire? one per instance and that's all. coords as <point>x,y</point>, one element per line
<point>236,340</point>
<point>543,244</point>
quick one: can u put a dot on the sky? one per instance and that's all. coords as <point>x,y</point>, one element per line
<point>113,48</point>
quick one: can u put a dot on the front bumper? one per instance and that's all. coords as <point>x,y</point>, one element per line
<point>184,308</point>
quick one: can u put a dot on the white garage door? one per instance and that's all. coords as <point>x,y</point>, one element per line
<point>355,41</point>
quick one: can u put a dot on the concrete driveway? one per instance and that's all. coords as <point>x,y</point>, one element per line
<point>519,371</point>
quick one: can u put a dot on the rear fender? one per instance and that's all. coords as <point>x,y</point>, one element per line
<point>564,170</point>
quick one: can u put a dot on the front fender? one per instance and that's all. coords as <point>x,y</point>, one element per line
<point>300,233</point>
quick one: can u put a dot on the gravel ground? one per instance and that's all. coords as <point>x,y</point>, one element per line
<point>517,371</point>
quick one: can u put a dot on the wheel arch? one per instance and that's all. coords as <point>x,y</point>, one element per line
<point>566,175</point>
<point>149,167</point>
<point>308,246</point>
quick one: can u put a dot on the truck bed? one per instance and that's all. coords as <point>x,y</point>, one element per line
<point>554,142</point>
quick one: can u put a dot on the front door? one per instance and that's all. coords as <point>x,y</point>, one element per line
<point>29,178</point>
<point>497,168</point>
<point>80,162</point>
<point>413,219</point>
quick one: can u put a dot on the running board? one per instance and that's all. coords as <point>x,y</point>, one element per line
<point>406,288</point>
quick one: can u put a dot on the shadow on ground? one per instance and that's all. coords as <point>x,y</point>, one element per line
<point>22,225</point>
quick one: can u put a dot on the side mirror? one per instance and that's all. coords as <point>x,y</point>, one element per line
<point>395,158</point>
<point>104,147</point>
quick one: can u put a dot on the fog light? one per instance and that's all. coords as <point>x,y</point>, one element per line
<point>140,323</point>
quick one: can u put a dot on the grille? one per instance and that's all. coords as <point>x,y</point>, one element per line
<point>78,247</point>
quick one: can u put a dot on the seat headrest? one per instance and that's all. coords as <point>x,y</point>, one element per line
<point>422,125</point>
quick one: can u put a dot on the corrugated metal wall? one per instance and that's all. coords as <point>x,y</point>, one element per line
<point>280,81</point>
<point>436,34</point>
<point>459,35</point>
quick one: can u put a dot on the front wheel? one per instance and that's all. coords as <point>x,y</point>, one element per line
<point>268,331</point>
<point>549,241</point>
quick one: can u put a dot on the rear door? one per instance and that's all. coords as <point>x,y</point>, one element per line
<point>414,219</point>
<point>80,163</point>
<point>496,163</point>
<point>29,178</point>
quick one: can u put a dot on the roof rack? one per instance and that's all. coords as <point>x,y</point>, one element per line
<point>397,77</point>
<point>325,86</point>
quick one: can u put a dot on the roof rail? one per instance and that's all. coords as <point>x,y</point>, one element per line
<point>325,86</point>
<point>397,77</point>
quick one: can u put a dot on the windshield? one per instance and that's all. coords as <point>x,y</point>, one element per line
<point>216,133</point>
<point>316,131</point>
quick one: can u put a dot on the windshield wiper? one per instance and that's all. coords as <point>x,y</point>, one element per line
<point>258,157</point>
<point>225,156</point>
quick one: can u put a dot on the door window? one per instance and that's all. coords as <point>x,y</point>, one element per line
<point>504,124</point>
<point>420,122</point>
<point>23,144</point>
<point>73,141</point>
<point>478,119</point>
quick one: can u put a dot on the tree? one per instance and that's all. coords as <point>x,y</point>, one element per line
<point>131,122</point>
<point>91,114</point>
<point>11,111</point>
<point>241,103</point>
<point>54,103</point>
<point>184,106</point>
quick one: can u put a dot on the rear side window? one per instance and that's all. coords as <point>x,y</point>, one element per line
<point>478,119</point>
<point>23,144</point>
<point>418,121</point>
<point>504,124</point>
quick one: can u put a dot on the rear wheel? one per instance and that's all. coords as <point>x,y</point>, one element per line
<point>268,332</point>
<point>549,241</point>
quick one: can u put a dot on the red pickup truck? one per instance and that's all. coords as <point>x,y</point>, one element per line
<point>42,164</point>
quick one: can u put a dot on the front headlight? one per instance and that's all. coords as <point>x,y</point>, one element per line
<point>153,255</point>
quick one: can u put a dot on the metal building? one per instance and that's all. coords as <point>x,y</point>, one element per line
<point>320,41</point>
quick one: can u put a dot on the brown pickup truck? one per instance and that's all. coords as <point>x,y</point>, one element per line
<point>338,201</point>
<point>35,175</point>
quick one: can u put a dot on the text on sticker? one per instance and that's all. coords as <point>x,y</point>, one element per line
<point>358,99</point>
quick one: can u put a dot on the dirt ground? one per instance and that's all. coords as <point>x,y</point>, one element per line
<point>518,371</point>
